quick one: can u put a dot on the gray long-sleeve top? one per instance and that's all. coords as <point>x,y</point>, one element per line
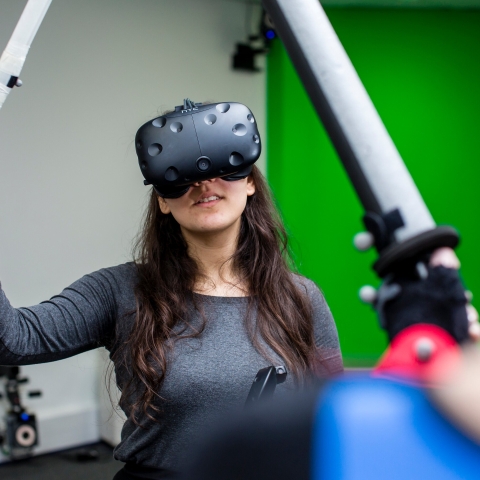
<point>205,375</point>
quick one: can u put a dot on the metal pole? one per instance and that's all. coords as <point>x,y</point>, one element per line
<point>396,214</point>
<point>14,55</point>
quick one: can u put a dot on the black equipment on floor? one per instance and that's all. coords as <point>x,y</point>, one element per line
<point>20,435</point>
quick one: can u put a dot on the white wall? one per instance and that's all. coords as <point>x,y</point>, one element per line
<point>71,194</point>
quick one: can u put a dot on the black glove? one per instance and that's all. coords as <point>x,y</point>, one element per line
<point>438,299</point>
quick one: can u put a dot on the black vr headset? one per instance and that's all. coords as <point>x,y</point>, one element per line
<point>197,142</point>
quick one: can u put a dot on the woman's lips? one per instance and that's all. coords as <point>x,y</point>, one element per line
<point>208,201</point>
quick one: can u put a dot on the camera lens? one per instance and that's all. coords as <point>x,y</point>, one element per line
<point>204,164</point>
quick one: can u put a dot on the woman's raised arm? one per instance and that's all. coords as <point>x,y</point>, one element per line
<point>82,317</point>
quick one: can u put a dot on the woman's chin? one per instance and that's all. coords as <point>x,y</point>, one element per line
<point>212,225</point>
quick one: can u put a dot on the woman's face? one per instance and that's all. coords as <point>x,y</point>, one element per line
<point>210,206</point>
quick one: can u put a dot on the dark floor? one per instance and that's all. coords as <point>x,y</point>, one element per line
<point>66,465</point>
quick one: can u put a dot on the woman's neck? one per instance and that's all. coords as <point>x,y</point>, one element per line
<point>213,252</point>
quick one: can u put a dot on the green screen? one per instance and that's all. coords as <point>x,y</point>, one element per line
<point>422,71</point>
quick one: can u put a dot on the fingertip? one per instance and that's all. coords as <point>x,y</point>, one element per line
<point>445,257</point>
<point>474,331</point>
<point>472,314</point>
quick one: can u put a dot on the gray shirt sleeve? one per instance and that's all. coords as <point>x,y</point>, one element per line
<point>80,318</point>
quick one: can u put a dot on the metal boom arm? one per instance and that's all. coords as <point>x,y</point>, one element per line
<point>396,214</point>
<point>13,57</point>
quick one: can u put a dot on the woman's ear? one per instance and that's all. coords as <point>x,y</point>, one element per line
<point>250,186</point>
<point>164,207</point>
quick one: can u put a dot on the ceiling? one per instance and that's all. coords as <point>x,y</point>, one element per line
<point>392,3</point>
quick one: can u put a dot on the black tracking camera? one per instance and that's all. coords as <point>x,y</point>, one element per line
<point>197,142</point>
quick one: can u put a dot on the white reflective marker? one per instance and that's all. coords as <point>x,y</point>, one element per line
<point>13,57</point>
<point>368,294</point>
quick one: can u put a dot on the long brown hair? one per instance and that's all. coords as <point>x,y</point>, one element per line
<point>166,279</point>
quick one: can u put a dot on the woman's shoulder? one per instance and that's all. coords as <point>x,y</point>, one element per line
<point>118,277</point>
<point>323,323</point>
<point>123,271</point>
<point>309,287</point>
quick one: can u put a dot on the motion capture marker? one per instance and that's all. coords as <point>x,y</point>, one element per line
<point>367,294</point>
<point>250,118</point>
<point>139,144</point>
<point>155,149</point>
<point>159,122</point>
<point>236,159</point>
<point>239,129</point>
<point>422,270</point>
<point>176,127</point>
<point>256,139</point>
<point>223,107</point>
<point>424,349</point>
<point>363,241</point>
<point>171,174</point>
<point>210,119</point>
<point>204,164</point>
<point>144,165</point>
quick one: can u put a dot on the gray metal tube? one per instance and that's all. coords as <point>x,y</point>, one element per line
<point>369,155</point>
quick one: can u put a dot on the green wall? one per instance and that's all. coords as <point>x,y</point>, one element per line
<point>422,71</point>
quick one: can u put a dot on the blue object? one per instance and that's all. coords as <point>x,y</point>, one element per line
<point>270,34</point>
<point>25,417</point>
<point>376,429</point>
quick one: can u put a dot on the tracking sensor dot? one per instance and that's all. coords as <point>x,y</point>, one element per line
<point>159,122</point>
<point>176,127</point>
<point>236,159</point>
<point>223,107</point>
<point>239,129</point>
<point>250,118</point>
<point>256,139</point>
<point>210,119</point>
<point>154,149</point>
<point>171,174</point>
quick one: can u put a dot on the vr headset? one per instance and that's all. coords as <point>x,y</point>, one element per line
<point>197,142</point>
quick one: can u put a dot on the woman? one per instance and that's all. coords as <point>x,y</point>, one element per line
<point>208,301</point>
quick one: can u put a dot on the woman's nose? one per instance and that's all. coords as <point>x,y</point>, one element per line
<point>201,182</point>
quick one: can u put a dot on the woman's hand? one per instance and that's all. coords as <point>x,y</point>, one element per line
<point>432,294</point>
<point>446,257</point>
